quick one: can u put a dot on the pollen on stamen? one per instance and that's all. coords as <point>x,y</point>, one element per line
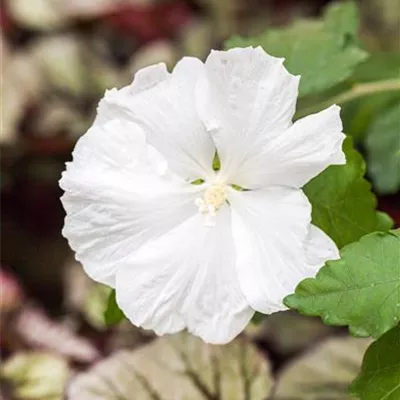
<point>214,197</point>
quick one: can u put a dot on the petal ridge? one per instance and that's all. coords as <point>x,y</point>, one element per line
<point>243,97</point>
<point>162,104</point>
<point>270,227</point>
<point>196,286</point>
<point>117,196</point>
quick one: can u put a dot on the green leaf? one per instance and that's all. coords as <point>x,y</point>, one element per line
<point>258,318</point>
<point>379,66</point>
<point>383,150</point>
<point>343,205</point>
<point>96,301</point>
<point>379,378</point>
<point>113,314</point>
<point>358,114</point>
<point>342,18</point>
<point>361,290</point>
<point>323,51</point>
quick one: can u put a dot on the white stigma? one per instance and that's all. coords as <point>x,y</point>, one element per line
<point>214,197</point>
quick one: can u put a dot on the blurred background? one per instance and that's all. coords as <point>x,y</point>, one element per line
<point>58,57</point>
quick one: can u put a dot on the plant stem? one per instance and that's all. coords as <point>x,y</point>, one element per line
<point>357,91</point>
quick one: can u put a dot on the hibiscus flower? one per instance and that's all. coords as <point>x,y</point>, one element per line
<point>185,194</point>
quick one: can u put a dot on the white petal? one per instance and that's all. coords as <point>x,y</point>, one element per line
<point>163,105</point>
<point>296,155</point>
<point>114,104</point>
<point>244,97</point>
<point>114,199</point>
<point>148,77</point>
<point>269,230</point>
<point>319,248</point>
<point>186,278</point>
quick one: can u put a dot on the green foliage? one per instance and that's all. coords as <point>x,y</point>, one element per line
<point>343,205</point>
<point>95,303</point>
<point>380,374</point>
<point>323,52</point>
<point>357,115</point>
<point>113,314</point>
<point>383,150</point>
<point>361,290</point>
<point>379,66</point>
<point>258,318</point>
<point>342,18</point>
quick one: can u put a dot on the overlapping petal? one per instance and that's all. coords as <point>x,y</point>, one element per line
<point>116,199</point>
<point>163,105</point>
<point>270,227</point>
<point>186,278</point>
<point>244,97</point>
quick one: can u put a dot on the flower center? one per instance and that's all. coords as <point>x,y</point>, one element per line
<point>214,197</point>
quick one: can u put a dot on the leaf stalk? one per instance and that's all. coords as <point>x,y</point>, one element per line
<point>357,91</point>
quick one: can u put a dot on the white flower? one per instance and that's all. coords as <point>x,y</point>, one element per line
<point>201,256</point>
